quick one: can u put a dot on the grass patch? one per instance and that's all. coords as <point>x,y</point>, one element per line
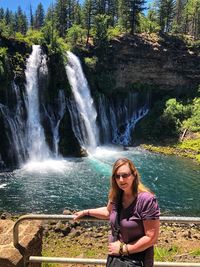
<point>196,252</point>
<point>188,148</point>
<point>193,145</point>
<point>165,254</point>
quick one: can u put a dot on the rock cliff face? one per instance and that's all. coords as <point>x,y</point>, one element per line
<point>160,62</point>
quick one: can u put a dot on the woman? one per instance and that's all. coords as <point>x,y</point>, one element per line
<point>139,214</point>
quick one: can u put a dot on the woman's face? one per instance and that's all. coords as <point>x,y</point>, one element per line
<point>124,178</point>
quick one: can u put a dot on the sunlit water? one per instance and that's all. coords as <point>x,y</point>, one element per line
<point>77,183</point>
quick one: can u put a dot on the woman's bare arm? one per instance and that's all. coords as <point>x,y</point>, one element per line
<point>100,213</point>
<point>151,229</point>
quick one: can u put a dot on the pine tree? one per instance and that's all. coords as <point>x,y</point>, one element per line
<point>166,14</point>
<point>61,12</point>
<point>49,28</point>
<point>1,13</point>
<point>39,17</point>
<point>21,23</point>
<point>31,18</point>
<point>178,16</point>
<point>88,16</point>
<point>192,18</point>
<point>129,11</point>
<point>123,14</point>
<point>111,12</point>
<point>137,6</point>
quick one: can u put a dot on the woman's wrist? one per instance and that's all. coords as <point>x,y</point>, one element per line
<point>121,245</point>
<point>86,213</point>
<point>125,250</point>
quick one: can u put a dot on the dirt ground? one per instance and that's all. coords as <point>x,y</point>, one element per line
<point>176,242</point>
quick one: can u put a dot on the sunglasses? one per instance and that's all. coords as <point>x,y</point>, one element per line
<point>124,175</point>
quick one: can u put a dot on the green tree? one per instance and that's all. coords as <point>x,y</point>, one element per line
<point>129,11</point>
<point>192,18</point>
<point>101,30</point>
<point>178,26</point>
<point>39,17</point>
<point>112,12</point>
<point>61,17</point>
<point>49,28</point>
<point>88,12</point>
<point>75,34</point>
<point>193,123</point>
<point>31,18</point>
<point>123,15</point>
<point>1,13</point>
<point>166,14</point>
<point>21,23</point>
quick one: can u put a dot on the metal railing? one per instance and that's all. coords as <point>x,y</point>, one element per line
<point>37,259</point>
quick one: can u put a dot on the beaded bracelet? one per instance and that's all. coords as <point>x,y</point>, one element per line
<point>126,250</point>
<point>121,253</point>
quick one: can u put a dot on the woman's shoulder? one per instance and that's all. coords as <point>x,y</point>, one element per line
<point>147,205</point>
<point>145,195</point>
<point>145,198</point>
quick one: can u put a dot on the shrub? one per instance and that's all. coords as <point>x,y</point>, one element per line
<point>76,35</point>
<point>193,122</point>
<point>114,32</point>
<point>34,37</point>
<point>91,62</point>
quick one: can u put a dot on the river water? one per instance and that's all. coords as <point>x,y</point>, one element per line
<point>79,183</point>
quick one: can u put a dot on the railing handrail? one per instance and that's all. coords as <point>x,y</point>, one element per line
<point>38,259</point>
<point>167,219</point>
<point>34,259</point>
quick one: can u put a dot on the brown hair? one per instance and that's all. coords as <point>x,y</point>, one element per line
<point>137,184</point>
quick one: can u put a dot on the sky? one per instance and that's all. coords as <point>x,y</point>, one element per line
<point>25,4</point>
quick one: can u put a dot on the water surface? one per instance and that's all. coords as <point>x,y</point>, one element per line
<point>79,183</point>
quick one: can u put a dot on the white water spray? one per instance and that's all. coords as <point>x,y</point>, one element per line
<point>82,110</point>
<point>37,147</point>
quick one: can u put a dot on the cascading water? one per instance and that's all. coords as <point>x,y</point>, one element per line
<point>37,147</point>
<point>55,118</point>
<point>82,109</point>
<point>123,114</point>
<point>15,125</point>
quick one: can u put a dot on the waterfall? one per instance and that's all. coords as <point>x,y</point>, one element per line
<point>82,110</point>
<point>55,119</point>
<point>37,147</point>
<point>15,126</point>
<point>123,113</point>
<point>122,134</point>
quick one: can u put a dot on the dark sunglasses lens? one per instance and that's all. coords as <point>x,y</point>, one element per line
<point>124,175</point>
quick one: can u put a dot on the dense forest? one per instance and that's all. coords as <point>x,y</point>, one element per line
<point>68,24</point>
<point>101,20</point>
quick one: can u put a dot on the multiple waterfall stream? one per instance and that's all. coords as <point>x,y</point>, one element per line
<point>111,121</point>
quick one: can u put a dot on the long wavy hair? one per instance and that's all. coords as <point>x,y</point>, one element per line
<point>137,185</point>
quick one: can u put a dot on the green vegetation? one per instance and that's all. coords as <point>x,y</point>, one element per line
<point>165,254</point>
<point>187,148</point>
<point>91,62</point>
<point>3,59</point>
<point>99,21</point>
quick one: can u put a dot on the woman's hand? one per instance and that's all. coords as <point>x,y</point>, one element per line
<point>113,248</point>
<point>80,214</point>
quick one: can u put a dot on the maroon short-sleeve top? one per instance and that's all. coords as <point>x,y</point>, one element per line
<point>143,207</point>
